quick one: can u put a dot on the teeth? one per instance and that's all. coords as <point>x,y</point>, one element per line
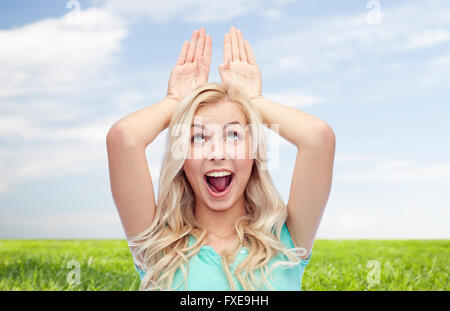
<point>218,174</point>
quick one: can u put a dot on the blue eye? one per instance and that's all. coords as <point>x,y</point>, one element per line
<point>196,135</point>
<point>235,134</point>
<point>232,134</point>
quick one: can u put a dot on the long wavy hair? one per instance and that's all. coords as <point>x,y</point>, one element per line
<point>164,245</point>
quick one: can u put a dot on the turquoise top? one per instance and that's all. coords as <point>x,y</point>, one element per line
<point>206,273</point>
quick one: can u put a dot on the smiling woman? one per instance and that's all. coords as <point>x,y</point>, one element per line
<point>220,223</point>
<point>224,151</point>
<point>215,204</point>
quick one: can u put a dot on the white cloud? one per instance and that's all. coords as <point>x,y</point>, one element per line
<point>324,45</point>
<point>47,110</point>
<point>198,11</point>
<point>352,158</point>
<point>403,171</point>
<point>378,221</point>
<point>188,10</point>
<point>129,99</point>
<point>81,225</point>
<point>55,137</point>
<point>3,187</point>
<point>53,55</point>
<point>45,152</point>
<point>427,38</point>
<point>294,98</point>
<point>50,161</point>
<point>394,199</point>
<point>393,165</point>
<point>17,127</point>
<point>442,60</point>
<point>273,14</point>
<point>283,2</point>
<point>72,150</point>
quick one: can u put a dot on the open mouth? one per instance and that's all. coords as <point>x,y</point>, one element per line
<point>219,185</point>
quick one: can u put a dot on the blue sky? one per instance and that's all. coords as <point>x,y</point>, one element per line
<point>382,85</point>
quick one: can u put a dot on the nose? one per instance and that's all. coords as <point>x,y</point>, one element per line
<point>216,152</point>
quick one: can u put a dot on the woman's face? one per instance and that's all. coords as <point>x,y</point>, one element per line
<point>220,141</point>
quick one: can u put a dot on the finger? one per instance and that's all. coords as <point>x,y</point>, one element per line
<point>234,44</point>
<point>191,51</point>
<point>227,47</point>
<point>200,44</point>
<point>208,48</point>
<point>250,55</point>
<point>224,66</point>
<point>241,43</point>
<point>182,57</point>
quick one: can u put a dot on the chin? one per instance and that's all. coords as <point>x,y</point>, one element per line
<point>219,206</point>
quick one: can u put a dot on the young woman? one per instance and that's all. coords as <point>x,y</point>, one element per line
<point>220,223</point>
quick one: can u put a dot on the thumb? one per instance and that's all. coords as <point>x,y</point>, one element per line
<point>225,65</point>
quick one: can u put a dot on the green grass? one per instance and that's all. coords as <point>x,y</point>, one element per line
<point>335,265</point>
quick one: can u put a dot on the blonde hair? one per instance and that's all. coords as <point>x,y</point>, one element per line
<point>164,245</point>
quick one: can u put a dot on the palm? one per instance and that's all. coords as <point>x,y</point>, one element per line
<point>192,67</point>
<point>239,66</point>
<point>187,77</point>
<point>243,75</point>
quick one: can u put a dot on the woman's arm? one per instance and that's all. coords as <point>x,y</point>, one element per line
<point>141,127</point>
<point>313,171</point>
<point>130,178</point>
<point>314,139</point>
<point>299,128</point>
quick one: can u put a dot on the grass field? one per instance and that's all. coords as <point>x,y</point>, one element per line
<point>335,265</point>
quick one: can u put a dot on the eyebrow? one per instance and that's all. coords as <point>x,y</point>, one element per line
<point>232,122</point>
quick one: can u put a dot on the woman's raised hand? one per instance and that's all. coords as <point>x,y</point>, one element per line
<point>239,65</point>
<point>192,67</point>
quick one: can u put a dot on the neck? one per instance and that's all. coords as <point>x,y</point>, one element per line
<point>220,222</point>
